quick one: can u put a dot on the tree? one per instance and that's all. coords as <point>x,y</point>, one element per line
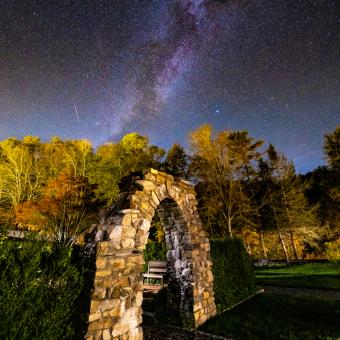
<point>62,212</point>
<point>245,150</point>
<point>20,171</point>
<point>218,166</point>
<point>105,173</point>
<point>331,182</point>
<point>137,154</point>
<point>324,191</point>
<point>286,197</point>
<point>54,154</point>
<point>332,148</point>
<point>176,161</point>
<point>268,210</point>
<point>77,156</point>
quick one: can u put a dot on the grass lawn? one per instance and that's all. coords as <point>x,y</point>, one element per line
<point>318,275</point>
<point>270,316</point>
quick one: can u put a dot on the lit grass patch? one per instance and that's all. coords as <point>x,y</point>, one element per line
<point>316,276</point>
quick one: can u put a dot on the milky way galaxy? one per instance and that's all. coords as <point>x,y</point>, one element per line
<point>100,69</point>
<point>169,59</point>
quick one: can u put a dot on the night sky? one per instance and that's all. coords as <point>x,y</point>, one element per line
<point>100,69</point>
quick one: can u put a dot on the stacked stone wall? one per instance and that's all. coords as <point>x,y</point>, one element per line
<point>118,242</point>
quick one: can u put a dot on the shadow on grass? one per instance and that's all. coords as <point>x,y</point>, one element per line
<point>278,317</point>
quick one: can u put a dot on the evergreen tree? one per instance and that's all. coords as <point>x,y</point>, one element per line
<point>176,161</point>
<point>332,148</point>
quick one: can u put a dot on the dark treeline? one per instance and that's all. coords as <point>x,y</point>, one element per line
<point>245,189</point>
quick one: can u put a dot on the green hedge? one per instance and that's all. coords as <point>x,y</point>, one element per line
<point>154,251</point>
<point>234,278</point>
<point>39,290</point>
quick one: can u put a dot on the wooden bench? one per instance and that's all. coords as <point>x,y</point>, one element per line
<point>156,270</point>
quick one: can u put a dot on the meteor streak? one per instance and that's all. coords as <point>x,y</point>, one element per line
<point>76,111</point>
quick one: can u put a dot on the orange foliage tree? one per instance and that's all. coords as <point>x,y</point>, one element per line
<point>60,212</point>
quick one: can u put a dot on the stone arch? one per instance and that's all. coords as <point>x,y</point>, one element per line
<point>118,243</point>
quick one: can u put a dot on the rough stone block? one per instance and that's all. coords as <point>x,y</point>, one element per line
<point>128,243</point>
<point>105,248</point>
<point>99,235</point>
<point>116,263</point>
<point>144,224</point>
<point>99,293</point>
<point>106,334</point>
<point>139,299</point>
<point>119,329</point>
<point>95,316</point>
<point>105,272</point>
<point>160,179</point>
<point>116,312</point>
<point>93,326</point>
<point>115,235</point>
<point>147,185</point>
<point>128,231</point>
<point>136,259</point>
<point>197,306</point>
<point>127,220</point>
<point>146,206</point>
<point>98,335</point>
<point>209,276</point>
<point>132,269</point>
<point>202,319</point>
<point>149,176</point>
<point>211,300</point>
<point>206,295</point>
<point>109,304</point>
<point>101,262</point>
<point>161,192</point>
<point>136,334</point>
<point>106,323</point>
<point>94,305</point>
<point>155,198</point>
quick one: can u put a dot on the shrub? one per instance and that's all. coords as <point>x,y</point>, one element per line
<point>39,290</point>
<point>154,251</point>
<point>234,278</point>
<point>333,250</point>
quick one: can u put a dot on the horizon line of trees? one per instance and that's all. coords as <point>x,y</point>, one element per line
<point>57,187</point>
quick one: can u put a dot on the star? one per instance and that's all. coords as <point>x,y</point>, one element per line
<point>171,65</point>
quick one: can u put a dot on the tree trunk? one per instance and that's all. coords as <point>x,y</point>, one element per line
<point>280,236</point>
<point>278,226</point>
<point>249,249</point>
<point>263,244</point>
<point>246,244</point>
<point>296,255</point>
<point>229,227</point>
<point>283,244</point>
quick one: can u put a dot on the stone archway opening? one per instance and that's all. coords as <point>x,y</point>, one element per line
<point>179,288</point>
<point>118,243</point>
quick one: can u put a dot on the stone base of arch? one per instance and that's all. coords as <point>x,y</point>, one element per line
<point>118,243</point>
